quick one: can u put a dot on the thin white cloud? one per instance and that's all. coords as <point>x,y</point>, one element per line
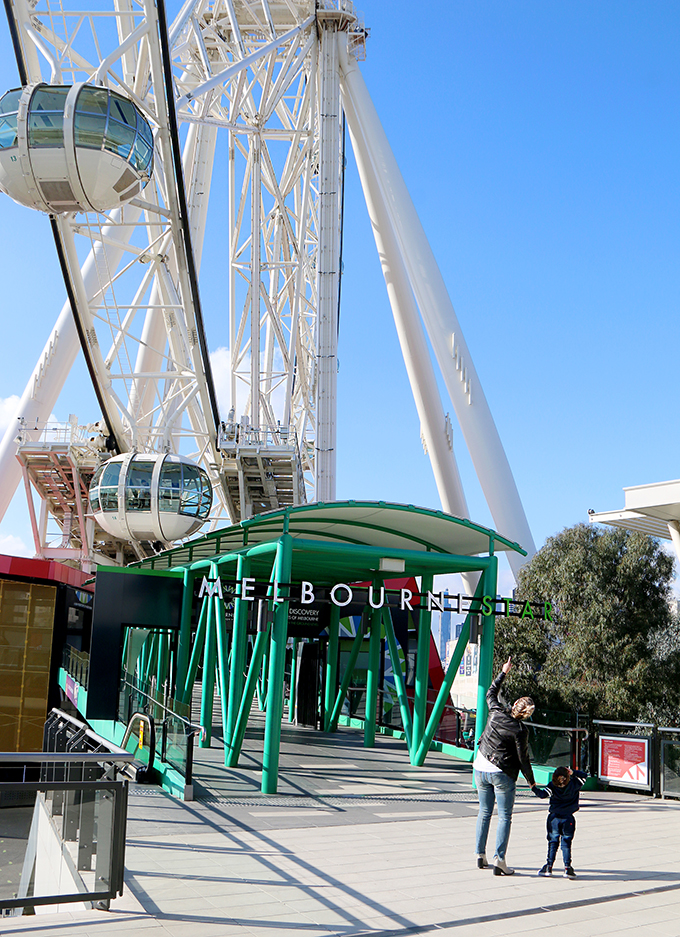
<point>219,360</point>
<point>11,545</point>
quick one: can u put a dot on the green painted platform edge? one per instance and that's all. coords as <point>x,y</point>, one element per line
<point>171,780</point>
<point>542,773</point>
<point>82,692</point>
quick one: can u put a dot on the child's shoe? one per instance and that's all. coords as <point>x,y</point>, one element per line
<point>569,872</point>
<point>546,870</point>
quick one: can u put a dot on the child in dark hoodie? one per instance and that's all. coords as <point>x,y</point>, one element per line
<point>563,790</point>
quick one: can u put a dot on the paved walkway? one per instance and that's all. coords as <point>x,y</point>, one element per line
<point>358,842</point>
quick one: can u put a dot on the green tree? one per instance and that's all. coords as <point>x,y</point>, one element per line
<point>613,648</point>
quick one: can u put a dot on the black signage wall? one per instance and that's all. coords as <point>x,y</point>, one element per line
<point>121,600</point>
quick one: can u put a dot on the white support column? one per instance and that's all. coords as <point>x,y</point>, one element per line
<point>328,261</point>
<point>255,277</point>
<point>453,356</point>
<point>409,329</point>
<point>674,531</point>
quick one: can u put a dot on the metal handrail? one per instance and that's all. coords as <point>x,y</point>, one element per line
<point>49,758</point>
<point>114,749</point>
<point>610,722</point>
<point>192,725</point>
<point>539,725</point>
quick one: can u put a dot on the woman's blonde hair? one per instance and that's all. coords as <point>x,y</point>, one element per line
<point>523,707</point>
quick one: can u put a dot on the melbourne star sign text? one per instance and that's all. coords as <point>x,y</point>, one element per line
<point>250,589</point>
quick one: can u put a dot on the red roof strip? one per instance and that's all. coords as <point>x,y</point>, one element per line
<point>50,570</point>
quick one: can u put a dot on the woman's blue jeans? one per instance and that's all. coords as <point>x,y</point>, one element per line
<point>494,786</point>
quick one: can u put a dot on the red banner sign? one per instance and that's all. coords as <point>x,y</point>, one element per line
<point>625,760</point>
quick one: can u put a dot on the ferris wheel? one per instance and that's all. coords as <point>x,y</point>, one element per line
<point>113,134</point>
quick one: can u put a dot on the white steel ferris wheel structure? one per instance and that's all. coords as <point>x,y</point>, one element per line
<point>280,78</point>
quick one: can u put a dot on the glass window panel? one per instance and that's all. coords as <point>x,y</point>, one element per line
<point>94,100</point>
<point>141,155</point>
<point>111,475</point>
<point>144,128</point>
<point>46,129</point>
<point>138,486</point>
<point>169,488</point>
<point>123,110</point>
<point>119,138</point>
<point>94,499</point>
<point>108,499</point>
<point>49,99</point>
<point>10,102</point>
<point>89,130</point>
<point>8,131</point>
<point>206,496</point>
<point>108,487</point>
<point>191,491</point>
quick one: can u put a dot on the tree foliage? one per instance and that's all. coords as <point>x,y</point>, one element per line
<point>613,648</point>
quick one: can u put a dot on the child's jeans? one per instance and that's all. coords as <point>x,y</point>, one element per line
<point>557,827</point>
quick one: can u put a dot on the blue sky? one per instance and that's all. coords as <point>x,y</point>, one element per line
<point>540,142</point>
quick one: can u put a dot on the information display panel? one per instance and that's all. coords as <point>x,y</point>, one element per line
<point>623,761</point>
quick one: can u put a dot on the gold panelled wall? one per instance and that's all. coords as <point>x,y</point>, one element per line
<point>26,626</point>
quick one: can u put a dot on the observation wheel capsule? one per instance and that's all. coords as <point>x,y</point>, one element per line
<point>136,496</point>
<point>69,148</point>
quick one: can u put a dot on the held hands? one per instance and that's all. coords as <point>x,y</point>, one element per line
<point>507,665</point>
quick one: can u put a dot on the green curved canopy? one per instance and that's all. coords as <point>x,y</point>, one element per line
<point>391,528</point>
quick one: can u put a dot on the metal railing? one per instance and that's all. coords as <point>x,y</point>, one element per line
<point>176,731</point>
<point>76,664</point>
<point>669,769</point>
<point>68,811</point>
<point>553,746</point>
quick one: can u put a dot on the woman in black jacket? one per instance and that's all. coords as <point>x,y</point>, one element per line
<point>502,753</point>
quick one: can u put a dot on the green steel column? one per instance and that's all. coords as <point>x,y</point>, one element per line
<point>399,681</point>
<point>239,644</point>
<point>262,682</point>
<point>489,583</point>
<point>184,692</point>
<point>277,666</point>
<point>443,696</point>
<point>141,660</point>
<point>293,671</point>
<point>233,748</point>
<point>162,661</point>
<point>208,687</point>
<point>151,656</point>
<point>422,663</point>
<point>126,639</point>
<point>351,663</point>
<point>331,664</point>
<point>184,640</point>
<point>372,677</point>
<point>222,651</point>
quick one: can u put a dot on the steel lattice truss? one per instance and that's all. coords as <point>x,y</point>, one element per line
<point>276,77</point>
<point>250,68</point>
